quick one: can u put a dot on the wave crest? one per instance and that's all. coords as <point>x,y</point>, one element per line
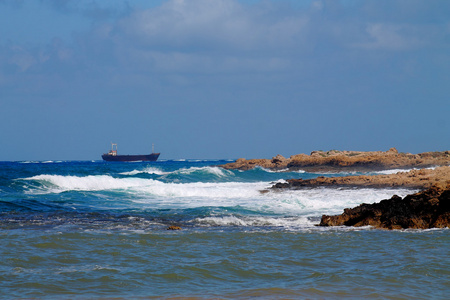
<point>254,221</point>
<point>60,183</point>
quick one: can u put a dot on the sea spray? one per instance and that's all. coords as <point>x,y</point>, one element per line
<point>99,230</point>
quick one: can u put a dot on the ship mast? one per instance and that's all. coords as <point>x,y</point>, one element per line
<point>113,152</point>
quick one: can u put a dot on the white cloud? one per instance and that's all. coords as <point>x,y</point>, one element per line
<point>211,25</point>
<point>22,58</point>
<point>202,36</point>
<point>183,37</point>
<point>392,37</point>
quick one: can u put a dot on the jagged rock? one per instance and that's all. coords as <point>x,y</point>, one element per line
<point>279,159</point>
<point>414,179</point>
<point>338,161</point>
<point>423,210</point>
<point>393,151</point>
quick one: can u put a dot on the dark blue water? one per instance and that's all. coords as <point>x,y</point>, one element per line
<point>83,230</point>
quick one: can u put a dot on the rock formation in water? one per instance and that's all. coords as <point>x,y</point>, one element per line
<point>173,227</point>
<point>423,210</point>
<point>414,179</point>
<point>426,209</point>
<point>338,161</point>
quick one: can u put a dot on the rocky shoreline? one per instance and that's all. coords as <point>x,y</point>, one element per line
<point>414,179</point>
<point>423,210</point>
<point>429,208</point>
<point>346,161</point>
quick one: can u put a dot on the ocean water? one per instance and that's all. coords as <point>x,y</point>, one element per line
<point>97,230</point>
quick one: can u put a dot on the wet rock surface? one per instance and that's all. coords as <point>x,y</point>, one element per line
<point>423,210</point>
<point>429,208</point>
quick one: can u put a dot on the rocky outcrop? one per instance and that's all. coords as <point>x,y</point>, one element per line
<point>173,227</point>
<point>276,163</point>
<point>338,161</point>
<point>423,210</point>
<point>415,179</point>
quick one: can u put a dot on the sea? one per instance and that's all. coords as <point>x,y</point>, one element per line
<point>99,230</point>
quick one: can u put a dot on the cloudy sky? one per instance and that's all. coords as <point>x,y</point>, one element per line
<point>222,78</point>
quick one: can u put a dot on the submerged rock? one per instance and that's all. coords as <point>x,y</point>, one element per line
<point>423,210</point>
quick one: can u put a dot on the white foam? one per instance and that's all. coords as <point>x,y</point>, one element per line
<point>59,183</point>
<point>202,194</point>
<point>147,170</point>
<point>327,200</point>
<point>286,222</point>
<point>246,195</point>
<point>286,170</point>
<point>219,172</point>
<point>395,171</point>
<point>272,171</point>
<point>307,203</point>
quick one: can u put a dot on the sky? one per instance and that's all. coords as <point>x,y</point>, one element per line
<point>222,79</point>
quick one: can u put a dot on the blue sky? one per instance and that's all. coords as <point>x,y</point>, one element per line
<point>222,78</point>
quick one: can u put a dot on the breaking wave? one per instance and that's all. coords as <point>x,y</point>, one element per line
<point>60,183</point>
<point>247,195</point>
<point>215,171</point>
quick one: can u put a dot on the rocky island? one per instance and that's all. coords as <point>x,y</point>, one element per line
<point>346,161</point>
<point>429,208</point>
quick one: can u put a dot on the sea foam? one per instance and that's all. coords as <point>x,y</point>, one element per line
<point>215,171</point>
<point>60,183</point>
<point>235,220</point>
<point>147,170</point>
<point>246,195</point>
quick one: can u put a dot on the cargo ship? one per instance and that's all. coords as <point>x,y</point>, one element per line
<point>113,156</point>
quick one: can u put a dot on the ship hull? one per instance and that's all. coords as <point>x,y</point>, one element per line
<point>148,157</point>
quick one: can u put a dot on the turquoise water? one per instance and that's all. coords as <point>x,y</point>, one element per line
<point>95,230</point>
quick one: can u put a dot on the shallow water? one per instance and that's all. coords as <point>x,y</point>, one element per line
<point>84,230</point>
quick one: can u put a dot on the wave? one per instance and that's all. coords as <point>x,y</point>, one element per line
<point>147,170</point>
<point>156,194</point>
<point>219,172</point>
<point>279,171</point>
<point>254,221</point>
<point>41,162</point>
<point>60,183</point>
<point>395,171</point>
<point>215,171</point>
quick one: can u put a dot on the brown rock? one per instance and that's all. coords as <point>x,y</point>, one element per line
<point>278,159</point>
<point>338,161</point>
<point>173,227</point>
<point>415,179</point>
